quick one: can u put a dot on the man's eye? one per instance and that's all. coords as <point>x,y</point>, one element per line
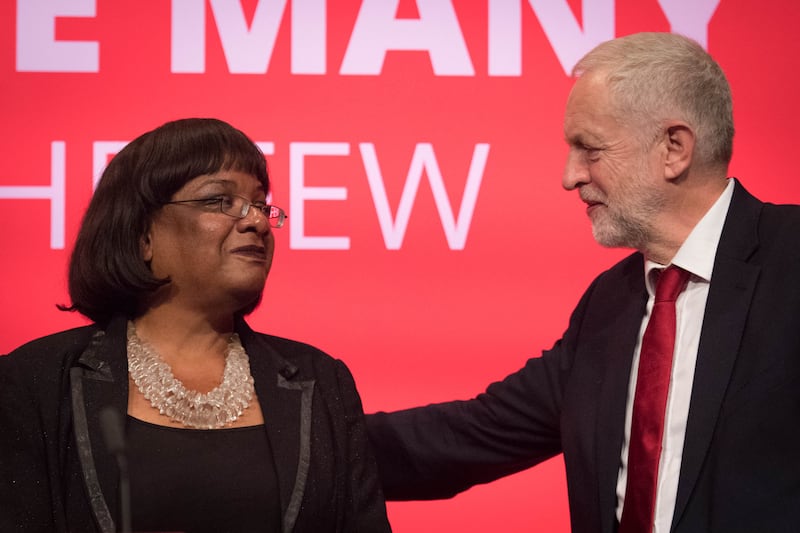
<point>592,153</point>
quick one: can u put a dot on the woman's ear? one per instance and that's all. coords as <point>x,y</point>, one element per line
<point>680,144</point>
<point>146,247</point>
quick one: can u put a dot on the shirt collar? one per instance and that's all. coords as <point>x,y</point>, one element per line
<point>697,253</point>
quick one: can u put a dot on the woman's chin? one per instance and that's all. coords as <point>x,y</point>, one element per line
<point>247,301</point>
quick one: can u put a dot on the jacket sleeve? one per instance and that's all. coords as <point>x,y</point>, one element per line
<point>27,494</point>
<point>439,450</point>
<point>366,509</point>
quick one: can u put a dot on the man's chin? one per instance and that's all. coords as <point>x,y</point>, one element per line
<point>615,240</point>
<point>609,239</point>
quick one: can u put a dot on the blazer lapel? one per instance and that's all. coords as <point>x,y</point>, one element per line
<point>732,285</point>
<point>99,380</point>
<point>286,404</point>
<point>628,308</point>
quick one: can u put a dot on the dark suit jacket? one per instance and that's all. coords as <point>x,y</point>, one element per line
<point>741,461</point>
<point>57,475</point>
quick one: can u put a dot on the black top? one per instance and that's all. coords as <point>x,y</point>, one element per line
<point>197,481</point>
<point>58,474</point>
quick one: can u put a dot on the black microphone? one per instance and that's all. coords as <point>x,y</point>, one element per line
<point>114,435</point>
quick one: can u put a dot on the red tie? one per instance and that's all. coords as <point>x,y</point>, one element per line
<point>649,404</point>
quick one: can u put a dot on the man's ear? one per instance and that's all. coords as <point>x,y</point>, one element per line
<point>680,145</point>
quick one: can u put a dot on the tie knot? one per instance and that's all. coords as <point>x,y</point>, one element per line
<point>670,283</point>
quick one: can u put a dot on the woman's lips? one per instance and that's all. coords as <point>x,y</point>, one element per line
<point>255,252</point>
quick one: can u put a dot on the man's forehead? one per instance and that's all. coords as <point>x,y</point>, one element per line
<point>590,125</point>
<point>586,99</point>
<point>590,85</point>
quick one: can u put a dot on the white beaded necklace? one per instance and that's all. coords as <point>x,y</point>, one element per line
<point>212,410</point>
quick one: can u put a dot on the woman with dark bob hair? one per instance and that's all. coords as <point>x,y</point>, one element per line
<point>224,429</point>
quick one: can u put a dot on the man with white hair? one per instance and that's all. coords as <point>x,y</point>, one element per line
<point>674,393</point>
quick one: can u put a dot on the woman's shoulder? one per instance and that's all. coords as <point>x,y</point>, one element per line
<point>298,358</point>
<point>54,346</point>
<point>295,351</point>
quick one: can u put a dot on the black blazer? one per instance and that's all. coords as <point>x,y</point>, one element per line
<point>741,460</point>
<point>57,475</point>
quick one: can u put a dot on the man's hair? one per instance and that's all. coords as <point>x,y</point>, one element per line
<point>107,274</point>
<point>658,76</point>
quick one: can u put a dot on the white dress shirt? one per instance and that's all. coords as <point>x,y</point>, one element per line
<point>695,255</point>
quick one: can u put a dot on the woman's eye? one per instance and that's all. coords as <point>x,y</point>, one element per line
<point>221,200</point>
<point>214,203</point>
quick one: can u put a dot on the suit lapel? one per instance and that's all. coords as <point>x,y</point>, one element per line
<point>286,404</point>
<point>619,342</point>
<point>732,285</point>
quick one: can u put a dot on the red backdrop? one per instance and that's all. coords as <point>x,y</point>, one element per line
<point>417,147</point>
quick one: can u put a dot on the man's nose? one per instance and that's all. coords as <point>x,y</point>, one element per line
<point>576,171</point>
